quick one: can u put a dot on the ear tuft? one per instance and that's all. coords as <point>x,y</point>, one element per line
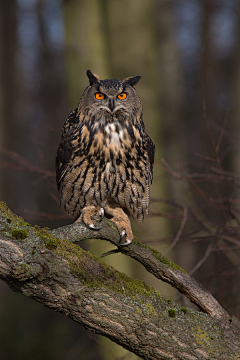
<point>133,80</point>
<point>93,78</point>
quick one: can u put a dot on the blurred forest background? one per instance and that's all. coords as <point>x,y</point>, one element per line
<point>187,52</point>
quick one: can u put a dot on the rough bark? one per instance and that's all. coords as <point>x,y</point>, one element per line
<point>48,267</point>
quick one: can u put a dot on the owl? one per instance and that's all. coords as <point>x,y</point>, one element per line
<point>104,163</point>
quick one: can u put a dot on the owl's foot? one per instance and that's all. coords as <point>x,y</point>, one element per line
<point>86,216</point>
<point>123,223</point>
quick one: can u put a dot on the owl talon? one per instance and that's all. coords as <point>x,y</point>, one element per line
<point>128,242</point>
<point>93,227</point>
<point>122,221</point>
<point>122,235</point>
<point>101,213</point>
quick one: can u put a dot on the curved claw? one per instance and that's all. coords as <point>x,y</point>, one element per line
<point>128,242</point>
<point>121,237</point>
<point>93,227</point>
<point>102,214</point>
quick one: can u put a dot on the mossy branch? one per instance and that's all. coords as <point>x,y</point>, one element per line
<point>153,261</point>
<point>50,268</point>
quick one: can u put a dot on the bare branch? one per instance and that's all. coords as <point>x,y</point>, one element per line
<point>179,233</point>
<point>24,164</point>
<point>154,262</point>
<point>203,259</point>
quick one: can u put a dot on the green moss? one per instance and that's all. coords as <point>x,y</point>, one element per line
<point>169,301</point>
<point>184,310</point>
<point>25,271</point>
<point>172,313</point>
<point>25,268</point>
<point>204,339</point>
<point>160,257</point>
<point>201,337</point>
<point>166,261</point>
<point>148,306</point>
<point>112,225</point>
<point>12,218</point>
<point>204,336</point>
<point>20,234</point>
<point>96,274</point>
<point>50,241</point>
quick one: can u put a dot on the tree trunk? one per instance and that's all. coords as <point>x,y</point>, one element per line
<point>59,274</point>
<point>8,85</point>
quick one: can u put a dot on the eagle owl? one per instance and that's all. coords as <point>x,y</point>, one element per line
<point>105,158</point>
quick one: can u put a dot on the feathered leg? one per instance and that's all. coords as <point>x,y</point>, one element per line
<point>122,221</point>
<point>86,216</point>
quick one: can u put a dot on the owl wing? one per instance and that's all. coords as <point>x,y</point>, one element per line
<point>71,121</point>
<point>66,147</point>
<point>150,148</point>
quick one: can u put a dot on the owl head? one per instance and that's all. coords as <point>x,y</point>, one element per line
<point>111,96</point>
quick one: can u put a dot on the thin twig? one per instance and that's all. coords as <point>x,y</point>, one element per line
<point>179,233</point>
<point>170,170</point>
<point>229,239</point>
<point>205,157</point>
<point>203,259</point>
<point>26,164</point>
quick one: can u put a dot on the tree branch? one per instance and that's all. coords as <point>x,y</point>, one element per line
<point>48,267</point>
<point>154,262</point>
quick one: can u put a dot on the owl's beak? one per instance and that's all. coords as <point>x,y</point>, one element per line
<point>111,104</point>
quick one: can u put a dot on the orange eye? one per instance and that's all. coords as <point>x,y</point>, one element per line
<point>122,96</point>
<point>99,96</point>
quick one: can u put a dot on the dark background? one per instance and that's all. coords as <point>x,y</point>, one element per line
<point>187,52</point>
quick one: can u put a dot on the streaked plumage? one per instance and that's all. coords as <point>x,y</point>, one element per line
<point>105,157</point>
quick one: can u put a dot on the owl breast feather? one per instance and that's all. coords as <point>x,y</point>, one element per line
<point>108,165</point>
